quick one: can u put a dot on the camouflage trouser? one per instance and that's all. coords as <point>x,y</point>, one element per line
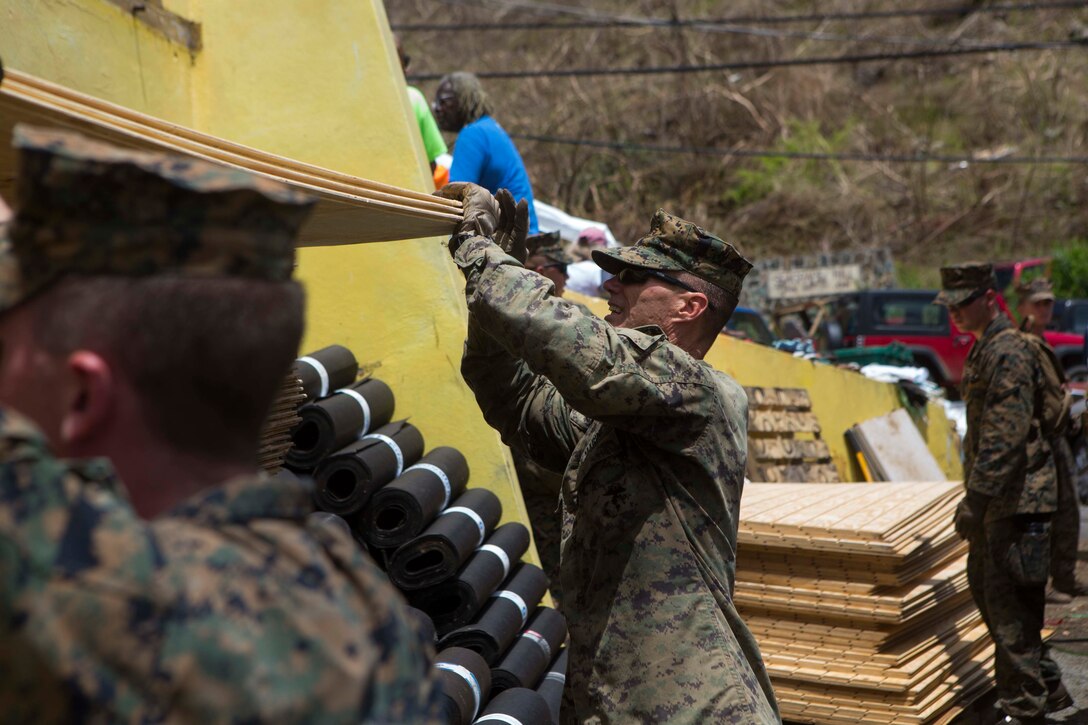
<point>1013,613</point>
<point>1065,526</point>
<point>540,489</point>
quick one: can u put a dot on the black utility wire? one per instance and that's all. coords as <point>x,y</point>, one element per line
<point>764,64</point>
<point>605,21</point>
<point>806,155</point>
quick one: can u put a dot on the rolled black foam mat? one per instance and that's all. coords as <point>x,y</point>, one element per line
<point>346,479</point>
<point>335,421</point>
<point>463,682</point>
<point>326,370</point>
<point>454,602</point>
<point>423,624</point>
<point>528,658</point>
<point>401,511</point>
<point>503,618</point>
<point>551,689</point>
<point>444,547</point>
<point>517,706</point>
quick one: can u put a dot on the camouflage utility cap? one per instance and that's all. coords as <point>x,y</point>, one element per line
<point>960,281</point>
<point>548,245</point>
<point>86,207</point>
<point>1037,290</point>
<point>679,246</point>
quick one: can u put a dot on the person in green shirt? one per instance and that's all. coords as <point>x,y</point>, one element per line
<point>433,143</point>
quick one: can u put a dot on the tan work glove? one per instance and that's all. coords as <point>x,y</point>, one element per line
<point>479,209</point>
<point>513,225</point>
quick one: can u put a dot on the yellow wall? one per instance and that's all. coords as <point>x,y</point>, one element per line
<point>840,398</point>
<point>320,82</point>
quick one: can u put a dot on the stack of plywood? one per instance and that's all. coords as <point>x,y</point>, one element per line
<point>348,210</point>
<point>784,438</point>
<point>857,595</point>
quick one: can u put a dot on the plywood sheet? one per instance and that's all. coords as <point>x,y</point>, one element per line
<point>349,209</point>
<point>895,450</point>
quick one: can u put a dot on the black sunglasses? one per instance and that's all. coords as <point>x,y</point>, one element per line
<point>561,266</point>
<point>631,275</point>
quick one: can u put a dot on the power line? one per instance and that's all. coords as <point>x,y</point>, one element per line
<point>596,20</point>
<point>962,161</point>
<point>764,64</point>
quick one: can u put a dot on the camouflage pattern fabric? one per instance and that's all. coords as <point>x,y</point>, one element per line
<point>1008,459</point>
<point>1006,455</point>
<point>231,608</point>
<point>540,491</point>
<point>653,444</point>
<point>960,281</point>
<point>548,245</point>
<point>1065,525</point>
<point>90,208</point>
<point>1024,671</point>
<point>674,244</point>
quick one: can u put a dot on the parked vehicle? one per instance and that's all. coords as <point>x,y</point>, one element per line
<point>749,324</point>
<point>1070,316</point>
<point>878,317</point>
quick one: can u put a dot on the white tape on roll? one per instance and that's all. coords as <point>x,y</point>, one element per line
<point>362,404</point>
<point>321,373</point>
<point>509,720</point>
<point>468,677</point>
<point>502,557</point>
<point>472,515</point>
<point>393,445</point>
<point>518,602</point>
<point>441,477</point>
<point>540,641</point>
<point>556,677</point>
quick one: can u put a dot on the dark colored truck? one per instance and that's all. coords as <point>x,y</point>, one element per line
<point>1070,316</point>
<point>879,317</point>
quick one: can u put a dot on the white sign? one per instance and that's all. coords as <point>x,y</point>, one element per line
<point>815,282</point>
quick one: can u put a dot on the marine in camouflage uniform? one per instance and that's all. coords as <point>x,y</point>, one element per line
<point>653,443</point>
<point>230,606</point>
<point>539,486</point>
<point>1011,493</point>
<point>1036,307</point>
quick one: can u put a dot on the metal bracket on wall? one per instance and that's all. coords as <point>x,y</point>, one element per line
<point>170,25</point>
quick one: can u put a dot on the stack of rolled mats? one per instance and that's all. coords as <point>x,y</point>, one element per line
<point>501,656</point>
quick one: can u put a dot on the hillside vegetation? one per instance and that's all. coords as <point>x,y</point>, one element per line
<point>1023,104</point>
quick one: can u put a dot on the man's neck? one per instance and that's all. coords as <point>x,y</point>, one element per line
<point>158,478</point>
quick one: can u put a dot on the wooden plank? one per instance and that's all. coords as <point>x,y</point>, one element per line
<point>799,473</point>
<point>782,421</point>
<point>778,398</point>
<point>788,450</point>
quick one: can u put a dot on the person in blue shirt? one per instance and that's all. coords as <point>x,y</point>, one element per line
<point>484,153</point>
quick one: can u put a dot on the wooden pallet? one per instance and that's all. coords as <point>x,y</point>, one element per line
<point>784,443</point>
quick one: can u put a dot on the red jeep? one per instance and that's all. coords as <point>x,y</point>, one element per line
<point>879,317</point>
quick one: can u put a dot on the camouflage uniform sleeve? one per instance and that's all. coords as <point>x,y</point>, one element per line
<point>623,378</point>
<point>1005,424</point>
<point>525,408</point>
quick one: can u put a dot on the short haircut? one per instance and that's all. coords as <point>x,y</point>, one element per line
<point>472,100</point>
<point>722,303</point>
<point>206,356</point>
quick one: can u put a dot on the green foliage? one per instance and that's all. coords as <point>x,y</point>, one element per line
<point>773,174</point>
<point>917,276</point>
<point>1070,269</point>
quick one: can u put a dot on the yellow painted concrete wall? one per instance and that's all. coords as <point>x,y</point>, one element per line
<point>840,398</point>
<point>317,81</point>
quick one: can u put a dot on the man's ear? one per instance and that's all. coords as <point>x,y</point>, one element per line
<point>91,397</point>
<point>692,304</point>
